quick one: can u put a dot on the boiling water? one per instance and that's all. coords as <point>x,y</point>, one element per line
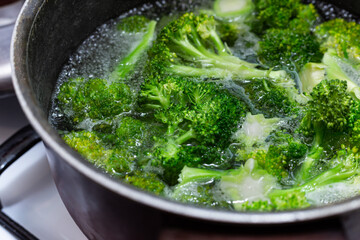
<point>101,52</point>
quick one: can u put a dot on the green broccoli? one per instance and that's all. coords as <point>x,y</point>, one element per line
<point>134,25</point>
<point>327,118</point>
<point>248,188</point>
<point>202,126</point>
<point>207,112</point>
<point>92,148</point>
<point>283,155</point>
<point>146,181</point>
<point>342,36</point>
<point>248,183</point>
<point>190,46</point>
<point>286,49</point>
<point>273,99</point>
<point>340,44</point>
<point>95,99</point>
<point>342,69</point>
<point>278,14</point>
<point>200,122</point>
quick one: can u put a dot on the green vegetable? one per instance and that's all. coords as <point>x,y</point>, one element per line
<point>284,48</point>
<point>273,98</point>
<point>94,99</point>
<point>342,36</point>
<point>90,146</point>
<point>280,14</point>
<point>200,119</point>
<point>249,106</point>
<point>190,46</point>
<point>134,24</point>
<point>327,114</point>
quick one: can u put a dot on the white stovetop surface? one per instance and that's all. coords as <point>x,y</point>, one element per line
<point>27,191</point>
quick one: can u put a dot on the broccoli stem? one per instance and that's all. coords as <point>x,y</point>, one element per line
<point>157,95</point>
<point>189,174</point>
<point>314,155</point>
<point>218,43</point>
<point>128,63</point>
<point>223,60</point>
<point>241,72</point>
<point>334,175</point>
<point>185,137</point>
<point>305,170</point>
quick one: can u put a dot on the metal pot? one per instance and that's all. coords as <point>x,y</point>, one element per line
<point>46,33</point>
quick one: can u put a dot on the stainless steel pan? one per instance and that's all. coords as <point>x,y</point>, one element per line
<point>46,33</point>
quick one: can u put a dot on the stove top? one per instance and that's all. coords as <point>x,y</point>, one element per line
<point>27,191</point>
<point>8,14</point>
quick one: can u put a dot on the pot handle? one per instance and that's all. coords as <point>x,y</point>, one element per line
<point>10,151</point>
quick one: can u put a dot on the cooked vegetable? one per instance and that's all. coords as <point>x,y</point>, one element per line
<point>136,25</point>
<point>248,106</point>
<point>190,46</point>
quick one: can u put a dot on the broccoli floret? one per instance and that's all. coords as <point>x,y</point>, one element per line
<point>198,127</point>
<point>330,105</point>
<point>248,188</point>
<point>271,98</point>
<point>280,14</point>
<point>289,200</point>
<point>92,148</point>
<point>332,67</point>
<point>203,110</point>
<point>342,36</point>
<point>146,181</point>
<point>172,158</point>
<point>307,17</point>
<point>132,132</point>
<point>96,99</point>
<point>190,46</point>
<point>282,156</point>
<point>284,48</point>
<point>200,118</point>
<point>343,174</point>
<point>328,113</point>
<point>134,25</point>
<point>84,141</point>
<point>339,41</point>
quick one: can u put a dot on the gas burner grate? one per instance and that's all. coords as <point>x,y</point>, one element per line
<point>10,151</point>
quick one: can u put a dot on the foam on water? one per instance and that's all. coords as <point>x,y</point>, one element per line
<point>333,193</point>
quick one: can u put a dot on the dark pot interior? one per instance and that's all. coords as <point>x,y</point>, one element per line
<point>42,45</point>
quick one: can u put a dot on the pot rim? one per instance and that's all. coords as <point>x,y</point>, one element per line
<point>39,121</point>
